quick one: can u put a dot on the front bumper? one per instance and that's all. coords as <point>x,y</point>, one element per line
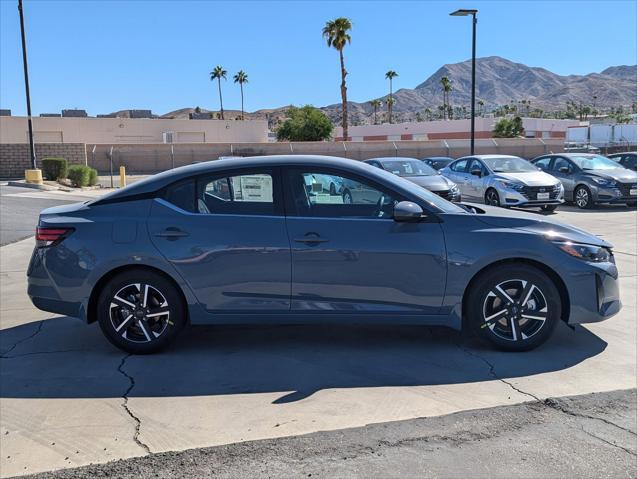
<point>594,293</point>
<point>528,197</point>
<point>614,195</point>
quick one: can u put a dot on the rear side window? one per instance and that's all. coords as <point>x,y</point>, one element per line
<point>459,166</point>
<point>244,194</point>
<point>182,195</point>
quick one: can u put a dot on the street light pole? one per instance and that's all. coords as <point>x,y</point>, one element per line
<point>464,13</point>
<point>26,85</point>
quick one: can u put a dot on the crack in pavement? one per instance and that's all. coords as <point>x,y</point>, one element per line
<point>138,423</point>
<point>44,352</point>
<point>15,345</point>
<point>553,403</point>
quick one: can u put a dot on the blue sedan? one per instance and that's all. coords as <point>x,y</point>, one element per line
<point>262,240</point>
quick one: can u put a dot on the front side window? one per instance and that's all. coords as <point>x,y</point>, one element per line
<point>247,194</point>
<point>459,166</point>
<point>560,164</point>
<point>335,196</point>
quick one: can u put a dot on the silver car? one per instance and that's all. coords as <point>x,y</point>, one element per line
<point>500,180</point>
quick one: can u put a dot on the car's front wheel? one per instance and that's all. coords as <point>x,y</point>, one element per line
<point>491,197</point>
<point>549,208</point>
<point>583,197</point>
<point>140,311</point>
<point>514,307</point>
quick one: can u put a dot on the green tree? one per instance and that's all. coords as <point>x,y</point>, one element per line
<point>241,77</point>
<point>217,74</point>
<point>428,114</point>
<point>305,124</point>
<point>508,128</point>
<point>390,75</point>
<point>446,90</point>
<point>336,32</point>
<point>480,108</point>
<point>376,104</point>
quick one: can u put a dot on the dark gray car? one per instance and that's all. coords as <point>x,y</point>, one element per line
<point>589,179</point>
<point>253,240</point>
<point>420,173</point>
<point>628,159</point>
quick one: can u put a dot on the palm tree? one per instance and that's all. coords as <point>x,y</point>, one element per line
<point>217,74</point>
<point>390,75</point>
<point>428,113</point>
<point>241,77</point>
<point>336,32</point>
<point>446,89</point>
<point>480,108</point>
<point>376,104</point>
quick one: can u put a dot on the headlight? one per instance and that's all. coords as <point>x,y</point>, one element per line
<point>603,181</point>
<point>454,188</point>
<point>512,185</point>
<point>586,252</point>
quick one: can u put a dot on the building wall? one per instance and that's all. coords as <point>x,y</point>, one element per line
<point>451,129</point>
<point>16,157</point>
<point>131,130</point>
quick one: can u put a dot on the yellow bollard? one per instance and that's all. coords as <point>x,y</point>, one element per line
<point>122,176</point>
<point>33,176</point>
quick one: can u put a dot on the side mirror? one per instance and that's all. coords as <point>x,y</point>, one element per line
<point>564,169</point>
<point>406,211</point>
<point>477,172</point>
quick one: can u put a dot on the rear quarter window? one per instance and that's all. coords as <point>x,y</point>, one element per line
<point>181,194</point>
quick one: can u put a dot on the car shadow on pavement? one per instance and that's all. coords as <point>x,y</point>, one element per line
<point>64,358</point>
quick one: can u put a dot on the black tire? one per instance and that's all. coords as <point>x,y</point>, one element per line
<point>133,326</point>
<point>492,198</point>
<point>536,307</point>
<point>347,197</point>
<point>631,204</point>
<point>582,197</point>
<point>549,208</point>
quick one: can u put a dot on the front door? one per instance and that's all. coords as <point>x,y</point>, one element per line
<point>563,170</point>
<point>459,174</point>
<point>350,256</point>
<point>225,234</point>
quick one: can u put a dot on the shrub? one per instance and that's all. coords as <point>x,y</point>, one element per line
<point>81,175</point>
<point>55,168</point>
<point>305,124</point>
<point>92,177</point>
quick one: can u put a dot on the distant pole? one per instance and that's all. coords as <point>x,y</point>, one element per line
<point>26,85</point>
<point>473,86</point>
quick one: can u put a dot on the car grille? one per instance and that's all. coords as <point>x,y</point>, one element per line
<point>624,188</point>
<point>530,192</point>
<point>446,194</point>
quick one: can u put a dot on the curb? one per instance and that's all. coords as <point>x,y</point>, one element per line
<point>24,184</point>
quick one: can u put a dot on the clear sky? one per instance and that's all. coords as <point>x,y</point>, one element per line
<point>104,56</point>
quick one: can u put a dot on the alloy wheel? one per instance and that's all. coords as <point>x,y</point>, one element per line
<point>347,198</point>
<point>493,198</point>
<point>139,313</point>
<point>582,197</point>
<point>515,310</point>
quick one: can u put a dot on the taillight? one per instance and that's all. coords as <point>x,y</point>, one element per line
<point>50,236</point>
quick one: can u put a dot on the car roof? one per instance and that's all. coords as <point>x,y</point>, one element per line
<point>392,158</point>
<point>489,157</point>
<point>160,180</point>
<point>438,158</point>
<point>623,153</point>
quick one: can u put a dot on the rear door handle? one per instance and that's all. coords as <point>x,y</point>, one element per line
<point>311,238</point>
<point>172,233</point>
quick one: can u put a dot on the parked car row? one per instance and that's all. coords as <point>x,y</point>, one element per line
<point>509,181</point>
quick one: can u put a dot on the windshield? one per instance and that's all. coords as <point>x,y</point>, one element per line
<point>420,192</point>
<point>408,168</point>
<point>509,164</point>
<point>595,162</point>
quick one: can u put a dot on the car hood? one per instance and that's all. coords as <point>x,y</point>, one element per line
<point>551,229</point>
<point>432,182</point>
<point>530,178</point>
<point>618,174</point>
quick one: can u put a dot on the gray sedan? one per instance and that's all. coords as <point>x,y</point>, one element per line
<point>589,179</point>
<point>420,173</point>
<point>506,181</point>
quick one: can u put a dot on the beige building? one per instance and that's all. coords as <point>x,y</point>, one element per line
<point>115,131</point>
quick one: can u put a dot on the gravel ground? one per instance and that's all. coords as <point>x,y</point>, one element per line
<point>580,436</point>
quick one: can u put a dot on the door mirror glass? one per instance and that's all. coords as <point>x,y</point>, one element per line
<point>406,211</point>
<point>476,172</point>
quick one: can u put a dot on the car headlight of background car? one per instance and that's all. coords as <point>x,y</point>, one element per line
<point>453,188</point>
<point>586,252</point>
<point>603,181</point>
<point>511,185</point>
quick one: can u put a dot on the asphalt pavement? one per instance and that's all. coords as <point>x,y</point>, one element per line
<point>589,436</point>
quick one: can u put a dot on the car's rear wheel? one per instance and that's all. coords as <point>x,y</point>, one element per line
<point>583,197</point>
<point>491,197</point>
<point>140,311</point>
<point>514,306</point>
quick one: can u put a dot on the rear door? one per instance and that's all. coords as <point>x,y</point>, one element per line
<point>352,257</point>
<point>225,234</point>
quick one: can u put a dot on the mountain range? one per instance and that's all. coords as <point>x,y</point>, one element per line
<point>498,81</point>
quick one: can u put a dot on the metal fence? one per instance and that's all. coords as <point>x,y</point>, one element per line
<point>152,158</point>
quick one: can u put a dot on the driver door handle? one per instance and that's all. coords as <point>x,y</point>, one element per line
<point>311,238</point>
